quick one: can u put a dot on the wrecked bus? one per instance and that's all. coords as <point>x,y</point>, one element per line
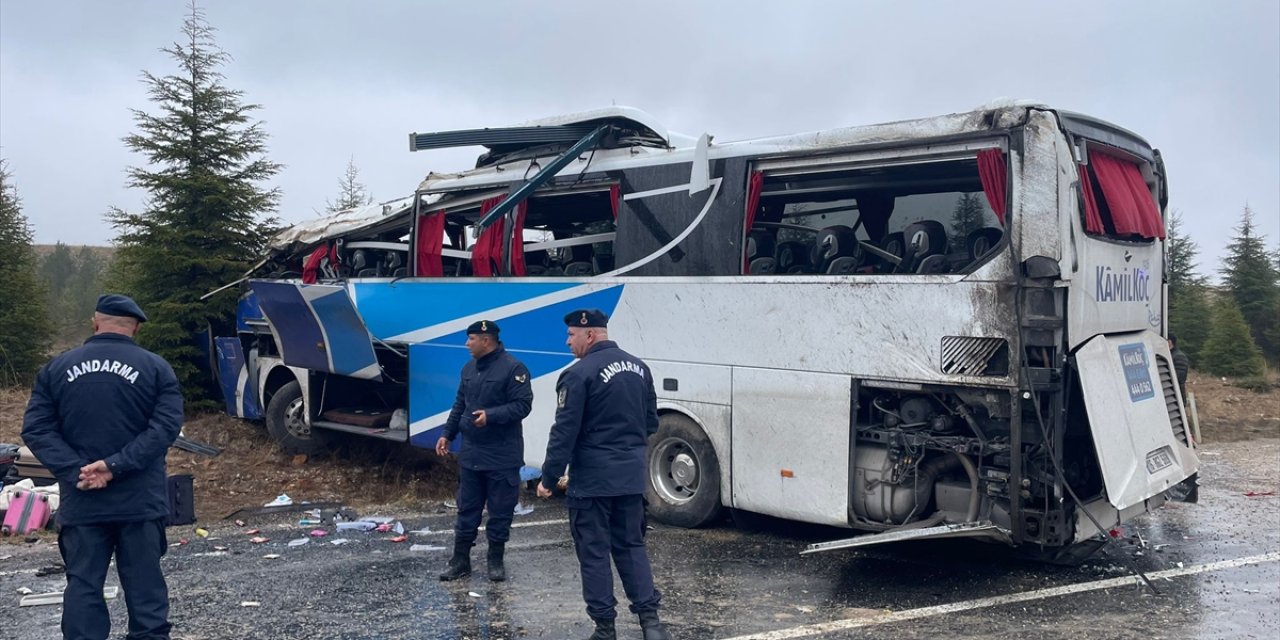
<point>946,327</point>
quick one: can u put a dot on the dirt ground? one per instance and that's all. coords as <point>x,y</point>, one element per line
<point>366,473</point>
<point>251,470</point>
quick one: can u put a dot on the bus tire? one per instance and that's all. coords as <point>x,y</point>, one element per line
<point>287,425</point>
<point>684,474</point>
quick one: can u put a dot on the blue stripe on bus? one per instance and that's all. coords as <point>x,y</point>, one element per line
<point>292,320</point>
<point>391,309</point>
<point>535,337</point>
<point>347,341</point>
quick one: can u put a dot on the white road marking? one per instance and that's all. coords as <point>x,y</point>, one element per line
<point>995,601</point>
<point>514,525</point>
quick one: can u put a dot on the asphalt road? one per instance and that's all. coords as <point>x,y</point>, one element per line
<point>1216,565</point>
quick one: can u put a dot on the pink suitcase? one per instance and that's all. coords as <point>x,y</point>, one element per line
<point>27,512</point>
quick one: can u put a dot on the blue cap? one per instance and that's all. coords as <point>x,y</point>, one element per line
<point>586,318</point>
<point>114,304</point>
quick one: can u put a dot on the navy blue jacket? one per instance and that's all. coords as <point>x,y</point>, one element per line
<point>111,400</point>
<point>499,384</point>
<point>606,409</point>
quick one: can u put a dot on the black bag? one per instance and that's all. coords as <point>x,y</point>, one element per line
<point>182,504</point>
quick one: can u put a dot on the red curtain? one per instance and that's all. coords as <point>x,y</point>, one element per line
<point>615,199</point>
<point>755,185</point>
<point>995,180</point>
<point>430,244</point>
<point>311,268</point>
<point>1133,210</point>
<point>517,240</point>
<point>488,249</point>
<point>1092,216</point>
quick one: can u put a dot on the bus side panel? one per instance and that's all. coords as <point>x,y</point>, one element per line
<point>791,442</point>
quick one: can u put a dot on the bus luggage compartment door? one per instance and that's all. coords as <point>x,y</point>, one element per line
<point>318,328</point>
<point>1139,429</point>
<point>791,437</point>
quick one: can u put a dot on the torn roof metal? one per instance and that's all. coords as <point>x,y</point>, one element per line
<point>345,222</point>
<point>998,115</point>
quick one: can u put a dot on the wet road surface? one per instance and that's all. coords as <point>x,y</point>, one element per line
<point>1216,565</point>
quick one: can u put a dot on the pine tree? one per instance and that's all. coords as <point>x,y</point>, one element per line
<point>351,193</point>
<point>24,325</point>
<point>1230,350</point>
<point>1189,309</point>
<point>1250,275</point>
<point>205,219</point>
<point>966,218</point>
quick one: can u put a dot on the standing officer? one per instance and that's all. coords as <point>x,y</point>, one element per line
<point>101,418</point>
<point>606,409</point>
<point>494,396</point>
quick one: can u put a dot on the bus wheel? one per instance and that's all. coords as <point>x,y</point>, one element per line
<point>287,423</point>
<point>684,475</point>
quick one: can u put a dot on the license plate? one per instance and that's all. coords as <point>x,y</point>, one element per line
<point>1161,458</point>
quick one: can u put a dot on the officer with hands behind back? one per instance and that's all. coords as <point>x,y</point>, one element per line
<point>606,409</point>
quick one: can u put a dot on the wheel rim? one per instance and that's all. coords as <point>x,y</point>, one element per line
<point>294,422</point>
<point>675,470</point>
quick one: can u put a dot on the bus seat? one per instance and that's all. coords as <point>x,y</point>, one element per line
<point>981,241</point>
<point>936,263</point>
<point>763,265</point>
<point>760,244</point>
<point>578,269</point>
<point>535,270</point>
<point>360,264</point>
<point>894,243</point>
<point>395,264</point>
<point>842,266</point>
<point>791,255</point>
<point>834,242</point>
<point>924,238</point>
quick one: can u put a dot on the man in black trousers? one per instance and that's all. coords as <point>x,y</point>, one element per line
<point>606,409</point>
<point>101,418</point>
<point>495,395</point>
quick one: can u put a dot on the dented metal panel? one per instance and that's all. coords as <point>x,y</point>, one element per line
<point>1139,453</point>
<point>980,530</point>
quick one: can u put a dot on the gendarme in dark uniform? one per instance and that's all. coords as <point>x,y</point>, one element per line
<point>606,409</point>
<point>495,395</point>
<point>101,418</point>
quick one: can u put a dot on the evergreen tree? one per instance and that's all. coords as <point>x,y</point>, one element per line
<point>1250,275</point>
<point>967,217</point>
<point>1230,350</point>
<point>1189,310</point>
<point>24,325</point>
<point>205,218</point>
<point>351,193</point>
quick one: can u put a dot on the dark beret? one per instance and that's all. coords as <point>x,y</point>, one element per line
<point>114,304</point>
<point>587,318</point>
<point>483,326</point>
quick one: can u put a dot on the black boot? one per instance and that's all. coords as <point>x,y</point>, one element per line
<point>604,630</point>
<point>652,627</point>
<point>460,564</point>
<point>497,572</point>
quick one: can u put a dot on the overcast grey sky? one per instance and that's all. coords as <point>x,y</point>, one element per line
<point>339,80</point>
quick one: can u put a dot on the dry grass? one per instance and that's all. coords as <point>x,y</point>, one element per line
<point>1229,413</point>
<point>251,470</point>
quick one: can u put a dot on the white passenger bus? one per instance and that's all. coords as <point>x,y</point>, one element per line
<point>937,327</point>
